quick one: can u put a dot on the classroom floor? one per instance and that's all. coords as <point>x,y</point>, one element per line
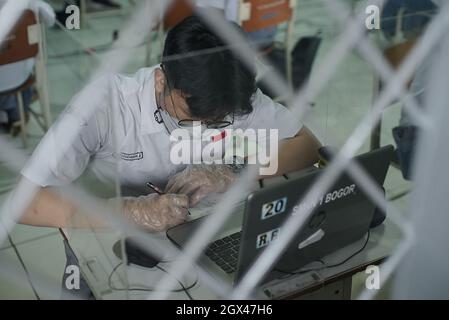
<point>35,256</point>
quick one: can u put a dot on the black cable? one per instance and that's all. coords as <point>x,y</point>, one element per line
<point>328,266</point>
<point>179,281</point>
<point>353,255</point>
<point>146,289</point>
<point>398,195</point>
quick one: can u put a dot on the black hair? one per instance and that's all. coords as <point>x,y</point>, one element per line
<point>211,77</point>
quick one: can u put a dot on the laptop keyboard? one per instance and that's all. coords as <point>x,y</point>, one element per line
<point>225,252</point>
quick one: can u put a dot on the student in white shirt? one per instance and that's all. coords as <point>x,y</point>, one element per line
<point>130,131</point>
<point>209,87</point>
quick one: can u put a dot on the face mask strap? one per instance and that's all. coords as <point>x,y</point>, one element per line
<point>158,116</point>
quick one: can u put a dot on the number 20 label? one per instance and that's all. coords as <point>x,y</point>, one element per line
<point>273,208</point>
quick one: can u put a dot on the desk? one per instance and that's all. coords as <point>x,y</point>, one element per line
<point>336,282</point>
<point>97,261</point>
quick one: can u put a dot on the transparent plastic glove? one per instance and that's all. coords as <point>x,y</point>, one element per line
<point>156,212</point>
<point>208,201</point>
<point>198,181</point>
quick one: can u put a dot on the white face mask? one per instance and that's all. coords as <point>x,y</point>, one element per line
<point>196,138</point>
<point>195,130</point>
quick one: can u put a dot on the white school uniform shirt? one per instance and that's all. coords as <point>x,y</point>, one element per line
<point>13,75</point>
<point>142,151</point>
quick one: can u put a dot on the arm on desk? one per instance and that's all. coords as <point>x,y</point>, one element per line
<point>296,153</point>
<point>48,209</point>
<point>153,212</point>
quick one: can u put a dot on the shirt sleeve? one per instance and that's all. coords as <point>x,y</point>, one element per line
<point>268,114</point>
<point>65,151</point>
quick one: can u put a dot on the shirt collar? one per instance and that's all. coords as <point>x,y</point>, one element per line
<point>147,103</point>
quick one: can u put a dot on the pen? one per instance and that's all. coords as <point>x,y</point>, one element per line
<point>159,191</point>
<point>152,186</point>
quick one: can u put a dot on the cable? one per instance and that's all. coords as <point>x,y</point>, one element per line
<point>354,254</point>
<point>180,283</point>
<point>398,195</point>
<point>147,289</point>
<point>328,266</point>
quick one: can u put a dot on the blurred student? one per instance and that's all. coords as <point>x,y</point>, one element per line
<point>13,75</point>
<point>263,39</point>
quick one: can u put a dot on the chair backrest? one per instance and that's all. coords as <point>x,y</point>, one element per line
<point>178,11</point>
<point>23,40</point>
<point>303,57</point>
<point>259,14</point>
<point>397,53</point>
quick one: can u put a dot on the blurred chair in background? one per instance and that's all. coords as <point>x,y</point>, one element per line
<point>294,63</point>
<point>23,51</point>
<point>175,13</point>
<point>403,21</point>
<point>258,18</point>
<point>262,37</point>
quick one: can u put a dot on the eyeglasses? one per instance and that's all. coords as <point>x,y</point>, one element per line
<point>188,123</point>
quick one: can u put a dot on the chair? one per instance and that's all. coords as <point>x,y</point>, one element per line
<point>403,42</point>
<point>255,15</point>
<point>395,55</point>
<point>26,40</point>
<point>303,57</point>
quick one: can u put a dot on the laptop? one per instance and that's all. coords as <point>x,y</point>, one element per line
<point>342,216</point>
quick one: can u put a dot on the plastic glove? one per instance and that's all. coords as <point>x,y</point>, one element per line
<point>156,212</point>
<point>198,181</point>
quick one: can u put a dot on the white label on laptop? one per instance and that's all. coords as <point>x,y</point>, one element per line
<point>273,208</point>
<point>317,236</point>
<point>266,238</point>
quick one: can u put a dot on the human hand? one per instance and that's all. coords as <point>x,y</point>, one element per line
<point>156,212</point>
<point>198,181</point>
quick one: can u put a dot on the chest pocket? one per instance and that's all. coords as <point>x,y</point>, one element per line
<point>139,167</point>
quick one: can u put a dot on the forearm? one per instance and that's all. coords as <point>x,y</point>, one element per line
<point>48,209</point>
<point>297,153</point>
<point>153,212</point>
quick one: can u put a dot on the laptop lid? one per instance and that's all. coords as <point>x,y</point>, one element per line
<point>341,216</point>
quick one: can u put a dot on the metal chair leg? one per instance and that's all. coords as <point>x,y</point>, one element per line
<point>148,48</point>
<point>42,84</point>
<point>44,99</point>
<point>376,132</point>
<point>23,133</point>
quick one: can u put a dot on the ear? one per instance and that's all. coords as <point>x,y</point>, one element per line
<point>159,81</point>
